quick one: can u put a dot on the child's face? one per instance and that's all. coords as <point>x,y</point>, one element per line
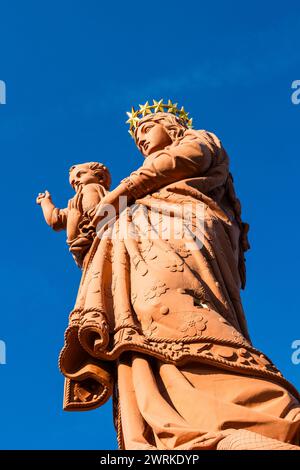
<point>82,175</point>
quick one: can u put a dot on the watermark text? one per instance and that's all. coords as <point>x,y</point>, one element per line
<point>2,352</point>
<point>295,97</point>
<point>2,92</point>
<point>296,353</point>
<point>156,221</point>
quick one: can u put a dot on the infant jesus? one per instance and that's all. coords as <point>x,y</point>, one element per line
<point>91,182</point>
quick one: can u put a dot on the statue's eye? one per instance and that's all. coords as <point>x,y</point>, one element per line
<point>147,129</point>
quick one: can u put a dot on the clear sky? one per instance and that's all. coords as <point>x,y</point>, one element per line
<point>72,69</point>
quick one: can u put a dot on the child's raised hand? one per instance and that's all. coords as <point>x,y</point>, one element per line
<point>43,196</point>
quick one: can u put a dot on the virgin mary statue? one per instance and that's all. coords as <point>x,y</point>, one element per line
<point>158,322</point>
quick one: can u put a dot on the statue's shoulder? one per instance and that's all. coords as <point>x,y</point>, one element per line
<point>202,136</point>
<point>211,136</point>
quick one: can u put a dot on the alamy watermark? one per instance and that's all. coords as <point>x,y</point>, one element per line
<point>2,92</point>
<point>295,97</point>
<point>170,221</point>
<point>296,353</point>
<point>2,352</point>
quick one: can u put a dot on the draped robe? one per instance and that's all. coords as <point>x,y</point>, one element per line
<point>158,321</point>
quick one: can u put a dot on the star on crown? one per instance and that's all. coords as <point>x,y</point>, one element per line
<point>158,106</point>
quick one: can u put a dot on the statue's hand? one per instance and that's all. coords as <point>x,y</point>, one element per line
<point>75,204</point>
<point>43,197</point>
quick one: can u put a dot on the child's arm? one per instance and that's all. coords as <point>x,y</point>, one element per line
<point>54,217</point>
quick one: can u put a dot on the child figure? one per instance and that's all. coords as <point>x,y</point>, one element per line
<point>91,182</point>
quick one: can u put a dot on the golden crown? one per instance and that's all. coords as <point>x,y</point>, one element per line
<point>158,106</point>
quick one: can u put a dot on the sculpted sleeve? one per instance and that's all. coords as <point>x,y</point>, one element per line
<point>59,219</point>
<point>191,156</point>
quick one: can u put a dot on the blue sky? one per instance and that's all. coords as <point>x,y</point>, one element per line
<point>72,69</point>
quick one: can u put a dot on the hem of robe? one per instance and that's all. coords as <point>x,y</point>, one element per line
<point>167,407</point>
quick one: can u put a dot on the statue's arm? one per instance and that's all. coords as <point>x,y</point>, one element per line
<point>191,157</point>
<point>59,219</point>
<point>54,217</point>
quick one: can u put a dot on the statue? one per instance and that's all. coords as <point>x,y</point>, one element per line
<point>91,182</point>
<point>158,322</point>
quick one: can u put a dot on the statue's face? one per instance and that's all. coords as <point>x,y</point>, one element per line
<point>82,175</point>
<point>151,136</point>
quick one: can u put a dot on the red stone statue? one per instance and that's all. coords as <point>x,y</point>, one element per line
<point>158,322</point>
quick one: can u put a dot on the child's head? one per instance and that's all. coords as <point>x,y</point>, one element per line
<point>86,173</point>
